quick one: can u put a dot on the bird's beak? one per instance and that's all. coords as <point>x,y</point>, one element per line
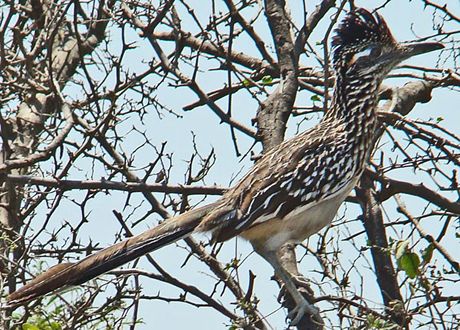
<point>417,48</point>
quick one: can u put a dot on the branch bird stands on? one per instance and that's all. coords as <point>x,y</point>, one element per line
<point>296,188</point>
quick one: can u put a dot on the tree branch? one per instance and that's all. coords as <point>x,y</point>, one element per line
<point>384,270</point>
<point>63,184</point>
<point>391,187</point>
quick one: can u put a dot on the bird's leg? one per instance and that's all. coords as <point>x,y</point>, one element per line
<point>302,305</point>
<point>301,283</point>
<point>287,258</point>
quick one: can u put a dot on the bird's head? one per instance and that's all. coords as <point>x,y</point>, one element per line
<point>363,45</point>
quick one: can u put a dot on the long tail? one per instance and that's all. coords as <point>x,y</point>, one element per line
<point>66,274</point>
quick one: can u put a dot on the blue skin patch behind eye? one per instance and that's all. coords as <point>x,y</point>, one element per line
<point>365,52</point>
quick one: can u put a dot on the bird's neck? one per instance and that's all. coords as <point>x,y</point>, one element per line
<point>354,100</point>
<point>354,110</point>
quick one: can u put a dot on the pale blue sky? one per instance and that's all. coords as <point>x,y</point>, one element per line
<point>400,15</point>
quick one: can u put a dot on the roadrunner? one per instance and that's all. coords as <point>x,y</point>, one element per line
<point>295,189</point>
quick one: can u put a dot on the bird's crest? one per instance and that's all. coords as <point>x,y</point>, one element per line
<point>359,28</point>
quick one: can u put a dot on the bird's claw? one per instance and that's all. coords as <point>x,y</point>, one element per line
<point>300,282</point>
<point>300,311</point>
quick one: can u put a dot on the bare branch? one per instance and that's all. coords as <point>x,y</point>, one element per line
<point>64,185</point>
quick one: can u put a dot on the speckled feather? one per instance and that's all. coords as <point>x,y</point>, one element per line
<point>319,163</point>
<point>295,189</point>
<point>356,29</point>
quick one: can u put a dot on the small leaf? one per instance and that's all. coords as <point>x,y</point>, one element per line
<point>29,326</point>
<point>267,80</point>
<point>246,83</point>
<point>409,262</point>
<point>55,326</point>
<point>426,284</point>
<point>315,98</point>
<point>401,249</point>
<point>439,119</point>
<point>427,254</point>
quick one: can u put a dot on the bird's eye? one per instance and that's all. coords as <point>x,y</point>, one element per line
<point>375,51</point>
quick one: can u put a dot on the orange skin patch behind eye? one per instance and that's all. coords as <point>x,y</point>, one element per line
<point>353,60</point>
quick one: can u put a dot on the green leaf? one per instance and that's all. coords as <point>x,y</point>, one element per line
<point>427,254</point>
<point>29,326</point>
<point>439,119</point>
<point>55,326</point>
<point>315,98</point>
<point>401,248</point>
<point>266,80</point>
<point>409,262</point>
<point>246,83</point>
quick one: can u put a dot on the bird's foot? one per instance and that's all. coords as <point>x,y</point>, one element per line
<point>301,310</point>
<point>302,285</point>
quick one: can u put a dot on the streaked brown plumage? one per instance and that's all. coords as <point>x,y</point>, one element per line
<point>295,189</point>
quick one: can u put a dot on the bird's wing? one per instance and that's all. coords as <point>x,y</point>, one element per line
<point>285,179</point>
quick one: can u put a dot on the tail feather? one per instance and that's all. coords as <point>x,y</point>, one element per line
<point>66,274</point>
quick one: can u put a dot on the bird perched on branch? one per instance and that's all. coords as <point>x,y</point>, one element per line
<point>296,188</point>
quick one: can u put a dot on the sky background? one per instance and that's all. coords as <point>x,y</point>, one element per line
<point>406,19</point>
